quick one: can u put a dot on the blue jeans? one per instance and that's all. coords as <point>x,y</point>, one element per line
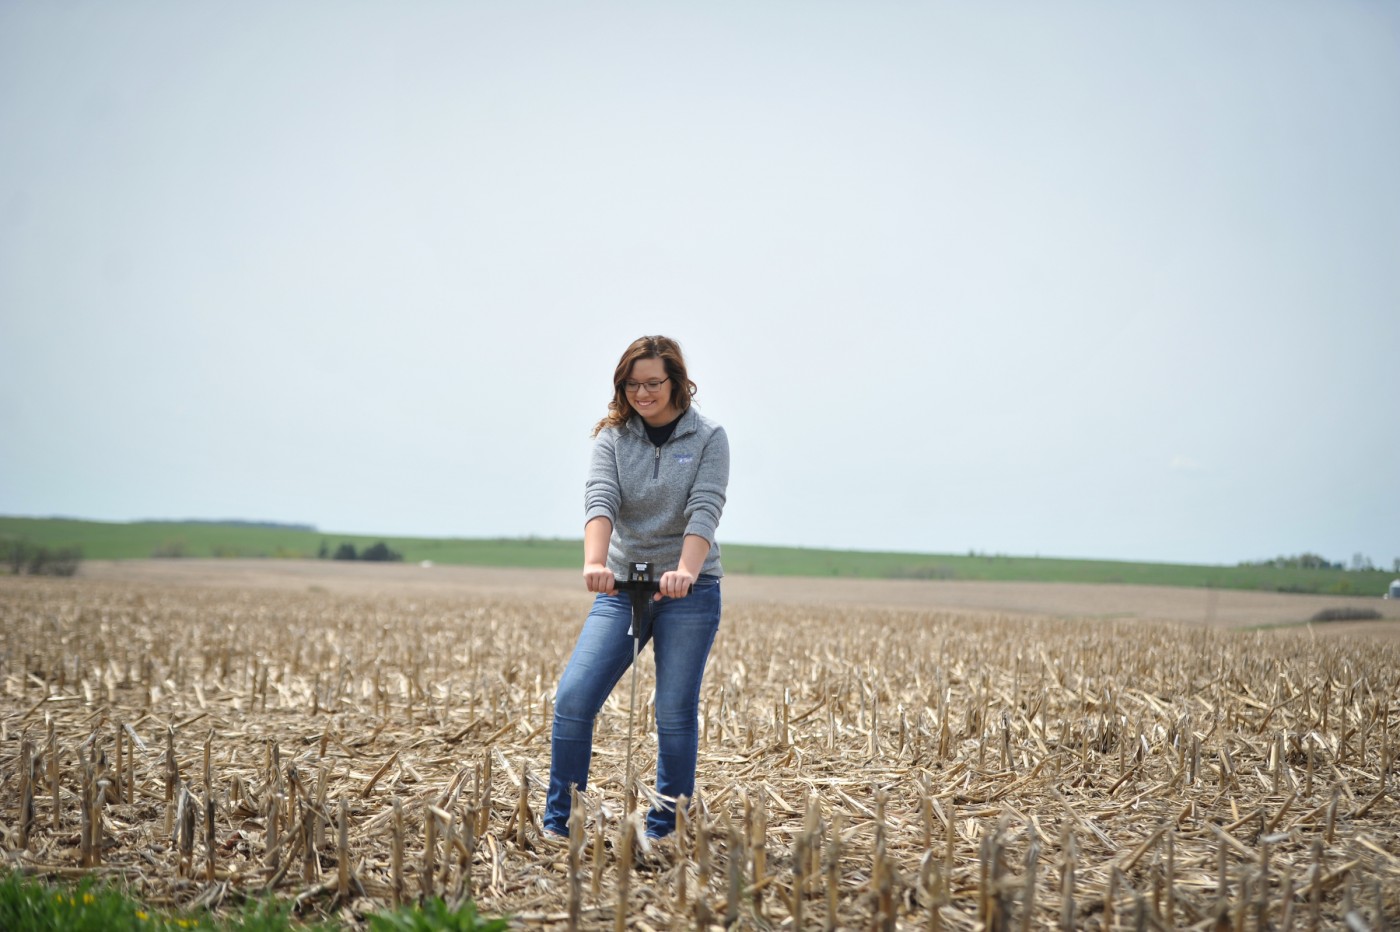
<point>682,632</point>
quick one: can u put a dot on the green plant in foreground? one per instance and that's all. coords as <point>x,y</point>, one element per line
<point>269,915</point>
<point>32,906</point>
<point>88,907</point>
<point>435,916</point>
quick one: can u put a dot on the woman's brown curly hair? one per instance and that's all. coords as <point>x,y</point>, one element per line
<point>662,348</point>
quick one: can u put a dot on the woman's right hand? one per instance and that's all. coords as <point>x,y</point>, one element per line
<point>598,578</point>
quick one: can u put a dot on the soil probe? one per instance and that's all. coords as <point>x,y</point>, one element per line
<point>641,586</point>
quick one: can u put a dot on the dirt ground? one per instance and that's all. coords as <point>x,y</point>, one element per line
<point>872,754</point>
<point>1216,607</point>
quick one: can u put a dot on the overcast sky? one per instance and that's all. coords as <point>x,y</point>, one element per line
<point>1069,279</point>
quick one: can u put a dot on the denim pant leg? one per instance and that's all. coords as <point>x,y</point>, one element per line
<point>603,653</point>
<point>683,632</point>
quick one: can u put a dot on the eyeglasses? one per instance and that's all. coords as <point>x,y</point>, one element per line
<point>653,386</point>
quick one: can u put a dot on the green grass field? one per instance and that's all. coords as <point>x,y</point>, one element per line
<point>141,540</point>
<point>33,905</point>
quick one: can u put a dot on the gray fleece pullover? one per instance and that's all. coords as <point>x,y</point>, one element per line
<point>655,496</point>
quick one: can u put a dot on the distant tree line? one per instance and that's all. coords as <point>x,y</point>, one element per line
<point>1360,563</point>
<point>375,553</point>
<point>22,557</point>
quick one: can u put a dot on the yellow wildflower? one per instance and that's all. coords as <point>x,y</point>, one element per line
<point>141,915</point>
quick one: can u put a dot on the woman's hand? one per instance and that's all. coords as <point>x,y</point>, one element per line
<point>598,578</point>
<point>676,584</point>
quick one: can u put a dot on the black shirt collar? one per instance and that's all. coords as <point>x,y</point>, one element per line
<point>659,435</point>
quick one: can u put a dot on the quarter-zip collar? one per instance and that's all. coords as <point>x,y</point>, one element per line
<point>689,424</point>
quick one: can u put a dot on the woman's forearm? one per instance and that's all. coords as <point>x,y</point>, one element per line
<point>694,550</point>
<point>596,534</point>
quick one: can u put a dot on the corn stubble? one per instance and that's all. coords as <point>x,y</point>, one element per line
<point>859,769</point>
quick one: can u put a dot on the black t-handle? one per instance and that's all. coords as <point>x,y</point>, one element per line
<point>641,586</point>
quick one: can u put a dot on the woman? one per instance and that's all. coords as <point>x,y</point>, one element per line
<point>655,491</point>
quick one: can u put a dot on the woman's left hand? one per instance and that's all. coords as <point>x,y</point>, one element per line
<point>676,584</point>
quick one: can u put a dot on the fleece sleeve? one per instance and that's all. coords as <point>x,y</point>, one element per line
<point>707,495</point>
<point>602,493</point>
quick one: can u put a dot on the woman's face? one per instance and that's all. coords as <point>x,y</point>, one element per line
<point>653,405</point>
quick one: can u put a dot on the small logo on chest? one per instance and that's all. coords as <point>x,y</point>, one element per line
<point>683,458</point>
